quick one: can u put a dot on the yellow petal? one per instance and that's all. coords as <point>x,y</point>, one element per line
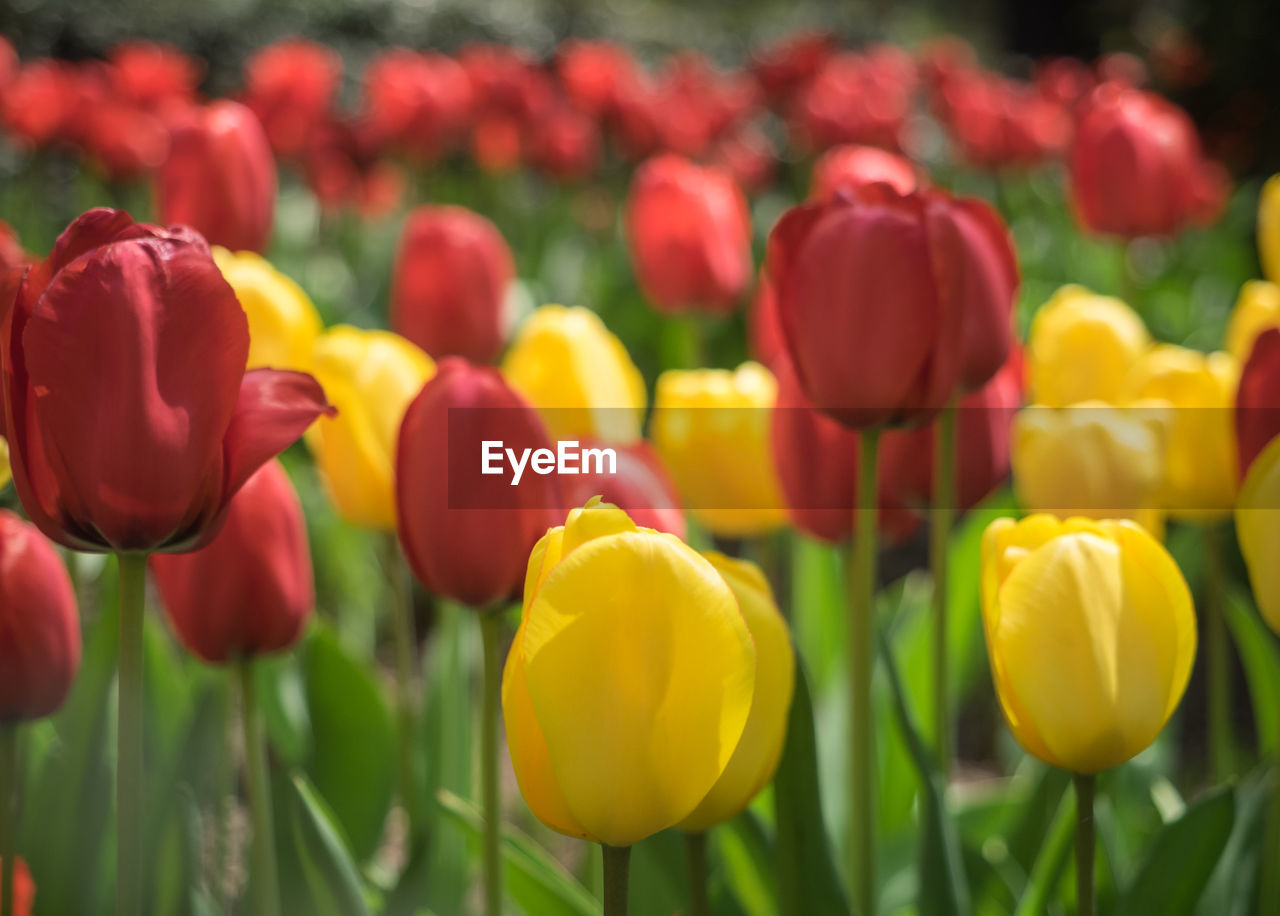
<point>1257,309</point>
<point>1269,229</point>
<point>283,322</point>
<point>1258,528</point>
<point>1082,347</point>
<point>5,473</point>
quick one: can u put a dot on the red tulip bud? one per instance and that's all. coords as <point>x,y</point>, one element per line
<point>1257,412</point>
<point>847,168</point>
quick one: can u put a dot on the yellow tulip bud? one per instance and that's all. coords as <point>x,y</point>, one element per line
<point>1092,460</point>
<point>712,428</point>
<point>1269,229</point>
<point>577,374</point>
<point>1258,529</point>
<point>1082,347</point>
<point>1200,467</point>
<point>371,377</point>
<point>5,473</point>
<point>1257,309</point>
<point>1091,635</point>
<point>756,758</point>
<point>629,682</point>
<point>283,323</point>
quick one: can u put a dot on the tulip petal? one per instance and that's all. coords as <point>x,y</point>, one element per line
<point>275,408</point>
<point>1258,528</point>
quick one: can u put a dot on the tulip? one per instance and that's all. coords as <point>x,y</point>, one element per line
<point>578,374</point>
<point>640,487</point>
<point>712,428</point>
<point>784,67</point>
<point>283,322</point>
<point>855,98</point>
<point>594,74</point>
<point>417,103</point>
<point>616,618</point>
<point>1257,406</point>
<point>847,168</point>
<point>1257,308</point>
<point>1269,229</point>
<point>290,87</point>
<point>689,234</point>
<point>344,168</point>
<point>1083,347</point>
<point>1201,464</point>
<point>451,277</point>
<point>370,376</point>
<point>154,77</point>
<point>220,178</point>
<point>566,145</point>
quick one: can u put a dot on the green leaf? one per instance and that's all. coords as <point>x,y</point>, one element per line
<point>328,869</point>
<point>1260,657</point>
<point>807,880</point>
<point>1182,857</point>
<point>1232,887</point>
<point>747,859</point>
<point>533,879</point>
<point>1049,864</point>
<point>944,888</point>
<point>353,760</point>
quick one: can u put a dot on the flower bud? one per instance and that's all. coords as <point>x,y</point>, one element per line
<point>1083,347</point>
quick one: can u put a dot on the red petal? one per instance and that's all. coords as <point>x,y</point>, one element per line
<point>274,409</point>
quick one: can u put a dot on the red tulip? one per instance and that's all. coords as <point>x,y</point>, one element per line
<point>451,277</point>
<point>565,145</point>
<point>344,168</point>
<point>131,420</point>
<point>39,626</point>
<point>154,77</point>
<point>595,73</point>
<point>856,98</point>
<point>1135,165</point>
<point>416,103</point>
<point>126,142</point>
<point>641,487</point>
<point>748,155</point>
<point>889,304</point>
<point>467,535</point>
<point>39,102</point>
<point>249,591</point>
<point>689,232</point>
<point>24,889</point>
<point>849,167</point>
<point>784,67</point>
<point>290,86</point>
<point>220,178</point>
<point>1257,414</point>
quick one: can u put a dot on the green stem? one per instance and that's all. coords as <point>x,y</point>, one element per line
<point>406,694</point>
<point>695,847</point>
<point>1221,738</point>
<point>491,635</point>
<point>1269,891</point>
<point>684,342</point>
<point>264,877</point>
<point>617,869</point>
<point>944,495</point>
<point>1049,861</point>
<point>129,764</point>
<point>1128,283</point>
<point>8,814</point>
<point>1086,905</point>
<point>861,617</point>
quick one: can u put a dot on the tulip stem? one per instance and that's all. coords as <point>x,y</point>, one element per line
<point>265,878</point>
<point>491,635</point>
<point>402,628</point>
<point>861,658</point>
<point>129,762</point>
<point>1085,903</point>
<point>8,814</point>
<point>695,847</point>
<point>617,869</point>
<point>944,487</point>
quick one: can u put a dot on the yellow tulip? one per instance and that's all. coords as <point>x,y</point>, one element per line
<point>1257,309</point>
<point>1200,466</point>
<point>5,473</point>
<point>1258,529</point>
<point>712,428</point>
<point>1093,460</point>
<point>1091,635</point>
<point>1083,347</point>
<point>371,376</point>
<point>1269,229</point>
<point>756,758</point>
<point>283,323</point>
<point>577,374</point>
<point>629,682</point>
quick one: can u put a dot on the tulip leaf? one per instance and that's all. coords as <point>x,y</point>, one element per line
<point>1054,853</point>
<point>1231,889</point>
<point>1260,658</point>
<point>534,879</point>
<point>353,760</point>
<point>327,867</point>
<point>807,881</point>
<point>1181,858</point>
<point>747,861</point>
<point>944,887</point>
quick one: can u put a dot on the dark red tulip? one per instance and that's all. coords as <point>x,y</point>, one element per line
<point>220,178</point>
<point>1135,166</point>
<point>890,304</point>
<point>785,66</point>
<point>344,168</point>
<point>124,141</point>
<point>1000,124</point>
<point>856,98</point>
<point>764,328</point>
<point>565,145</point>
<point>39,625</point>
<point>1257,413</point>
<point>154,77</point>
<point>467,535</point>
<point>250,591</point>
<point>641,487</point>
<point>849,167</point>
<point>290,87</point>
<point>689,232</point>
<point>417,104</point>
<point>595,73</point>
<point>451,277</point>
<point>130,417</point>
